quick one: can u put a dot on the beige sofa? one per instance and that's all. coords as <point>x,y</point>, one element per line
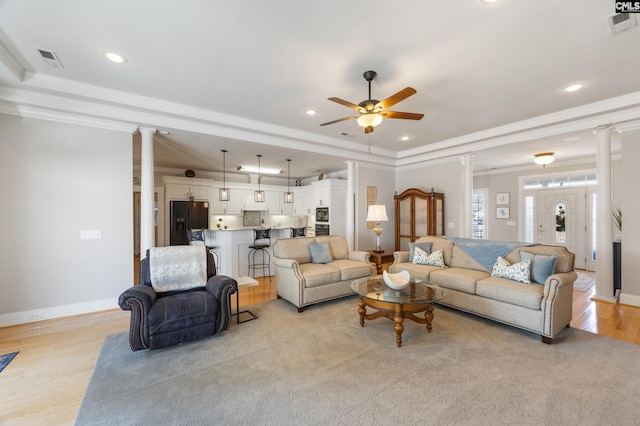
<point>304,283</point>
<point>544,309</point>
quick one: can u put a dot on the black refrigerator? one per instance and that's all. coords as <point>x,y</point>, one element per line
<point>184,216</point>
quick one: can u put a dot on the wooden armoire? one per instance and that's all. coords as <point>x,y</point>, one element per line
<point>418,214</point>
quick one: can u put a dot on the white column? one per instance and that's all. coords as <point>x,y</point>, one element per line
<point>465,212</point>
<point>604,231</point>
<point>147,225</point>
<point>351,185</point>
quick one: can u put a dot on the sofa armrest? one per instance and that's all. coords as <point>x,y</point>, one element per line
<point>138,300</point>
<point>400,257</point>
<point>361,256</point>
<point>557,302</point>
<point>222,287</point>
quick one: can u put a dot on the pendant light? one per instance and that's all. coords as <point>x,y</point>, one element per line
<point>224,191</point>
<point>288,196</point>
<point>258,196</point>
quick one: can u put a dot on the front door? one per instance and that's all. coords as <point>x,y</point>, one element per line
<point>561,220</point>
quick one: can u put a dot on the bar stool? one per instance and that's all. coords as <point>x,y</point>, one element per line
<point>297,232</point>
<point>261,241</point>
<point>209,242</point>
<point>201,237</point>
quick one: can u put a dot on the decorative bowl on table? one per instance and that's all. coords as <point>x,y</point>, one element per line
<point>396,281</point>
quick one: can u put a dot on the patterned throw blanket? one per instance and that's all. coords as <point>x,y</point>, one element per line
<point>177,267</point>
<point>486,252</point>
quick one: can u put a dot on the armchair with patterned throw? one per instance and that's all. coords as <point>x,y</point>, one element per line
<point>178,299</point>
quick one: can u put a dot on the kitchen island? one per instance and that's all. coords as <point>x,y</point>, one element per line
<point>233,247</point>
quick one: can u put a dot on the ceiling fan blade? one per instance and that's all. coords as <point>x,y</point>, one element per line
<point>405,115</point>
<point>339,120</point>
<point>394,99</point>
<point>346,103</point>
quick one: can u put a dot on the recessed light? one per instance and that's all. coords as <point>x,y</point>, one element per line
<point>405,138</point>
<point>311,112</point>
<point>115,57</point>
<point>489,1</point>
<point>574,87</point>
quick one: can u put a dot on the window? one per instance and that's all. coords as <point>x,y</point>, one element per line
<point>528,218</point>
<point>479,213</point>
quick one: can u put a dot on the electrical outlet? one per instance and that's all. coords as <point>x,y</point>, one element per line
<point>91,234</point>
<point>34,316</point>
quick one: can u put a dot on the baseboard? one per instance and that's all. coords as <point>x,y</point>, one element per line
<point>35,315</point>
<point>630,299</point>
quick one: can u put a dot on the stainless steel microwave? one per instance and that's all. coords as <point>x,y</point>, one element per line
<point>322,214</point>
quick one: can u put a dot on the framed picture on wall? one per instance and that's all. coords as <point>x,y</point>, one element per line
<point>502,213</point>
<point>502,198</point>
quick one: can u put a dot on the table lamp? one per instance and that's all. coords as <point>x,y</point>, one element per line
<point>377,213</point>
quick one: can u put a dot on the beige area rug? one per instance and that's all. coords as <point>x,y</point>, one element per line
<point>585,280</point>
<point>320,367</point>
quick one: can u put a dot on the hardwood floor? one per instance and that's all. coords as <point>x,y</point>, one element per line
<point>45,383</point>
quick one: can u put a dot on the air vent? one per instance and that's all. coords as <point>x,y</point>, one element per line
<point>50,58</point>
<point>619,22</point>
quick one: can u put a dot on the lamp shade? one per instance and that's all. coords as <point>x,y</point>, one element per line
<point>377,213</point>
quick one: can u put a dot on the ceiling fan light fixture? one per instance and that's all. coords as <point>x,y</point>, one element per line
<point>544,158</point>
<point>370,119</point>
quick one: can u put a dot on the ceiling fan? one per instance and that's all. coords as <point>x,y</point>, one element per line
<point>372,111</point>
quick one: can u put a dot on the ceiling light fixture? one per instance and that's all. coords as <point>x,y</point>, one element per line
<point>544,158</point>
<point>288,196</point>
<point>252,169</point>
<point>369,119</point>
<point>311,112</point>
<point>405,138</point>
<point>487,2</point>
<point>224,191</point>
<point>258,196</point>
<point>574,87</point>
<point>115,57</point>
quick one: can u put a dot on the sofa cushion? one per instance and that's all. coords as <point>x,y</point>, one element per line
<point>509,291</point>
<point>320,252</point>
<point>457,278</point>
<point>338,246</point>
<point>417,272</point>
<point>316,274</point>
<point>293,248</point>
<point>520,271</point>
<point>439,243</point>
<point>541,265</point>
<point>424,246</point>
<point>352,269</point>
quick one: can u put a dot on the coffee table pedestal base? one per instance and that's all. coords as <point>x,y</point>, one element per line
<point>397,313</point>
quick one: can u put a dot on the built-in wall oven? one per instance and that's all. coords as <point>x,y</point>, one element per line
<point>322,229</point>
<point>322,214</point>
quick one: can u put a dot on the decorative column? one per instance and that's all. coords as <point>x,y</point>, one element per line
<point>351,194</point>
<point>147,185</point>
<point>465,212</point>
<point>604,230</point>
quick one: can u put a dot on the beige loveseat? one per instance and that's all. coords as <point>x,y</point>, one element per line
<point>543,308</point>
<point>304,283</point>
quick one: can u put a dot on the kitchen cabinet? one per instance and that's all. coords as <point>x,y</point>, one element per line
<point>417,214</point>
<point>276,204</point>
<point>186,192</point>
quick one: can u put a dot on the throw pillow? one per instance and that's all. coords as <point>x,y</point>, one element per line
<point>320,252</point>
<point>436,259</point>
<point>196,235</point>
<point>424,246</point>
<point>421,257</point>
<point>517,272</point>
<point>541,265</point>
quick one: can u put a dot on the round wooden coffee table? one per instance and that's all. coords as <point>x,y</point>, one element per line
<point>396,305</point>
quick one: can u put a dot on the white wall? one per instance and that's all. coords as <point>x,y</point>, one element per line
<point>630,225</point>
<point>384,181</point>
<point>56,180</point>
